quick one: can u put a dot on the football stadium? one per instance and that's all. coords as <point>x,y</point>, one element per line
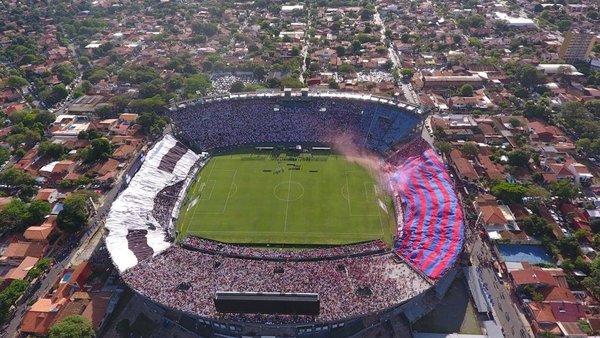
<point>289,214</point>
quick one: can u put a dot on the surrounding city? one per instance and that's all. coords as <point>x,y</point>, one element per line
<point>509,94</point>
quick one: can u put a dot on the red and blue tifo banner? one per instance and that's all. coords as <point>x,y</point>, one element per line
<point>431,236</point>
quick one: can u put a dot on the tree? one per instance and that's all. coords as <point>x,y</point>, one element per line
<point>74,326</point>
<point>53,150</point>
<point>74,214</point>
<point>347,69</point>
<point>518,158</point>
<point>514,122</point>
<point>569,247</point>
<point>37,210</point>
<point>595,225</point>
<point>444,147</point>
<point>9,296</point>
<point>547,334</point>
<point>4,155</point>
<point>99,149</point>
<point>152,123</point>
<point>291,82</point>
<point>198,84</point>
<point>237,86</point>
<point>564,190</point>
<point>16,82</point>
<point>537,109</point>
<point>104,111</point>
<point>469,149</point>
<point>593,106</point>
<point>564,25</point>
<point>14,177</point>
<point>584,144</point>
<point>466,90</point>
<point>581,235</point>
<point>536,226</point>
<point>536,191</point>
<point>14,215</point>
<point>509,192</point>
<point>406,72</point>
<point>65,72</point>
<point>526,74</point>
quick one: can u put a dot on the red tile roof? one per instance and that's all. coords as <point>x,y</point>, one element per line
<point>533,276</point>
<point>567,312</point>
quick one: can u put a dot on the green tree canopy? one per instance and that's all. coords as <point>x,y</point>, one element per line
<point>74,214</point>
<point>564,190</point>
<point>509,192</point>
<point>536,226</point>
<point>237,86</point>
<point>466,90</point>
<point>16,82</point>
<point>74,326</point>
<point>152,123</point>
<point>518,158</point>
<point>469,149</point>
<point>99,149</point>
<point>198,84</point>
<point>444,147</point>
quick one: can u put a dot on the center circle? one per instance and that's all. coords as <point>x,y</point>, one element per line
<point>288,191</point>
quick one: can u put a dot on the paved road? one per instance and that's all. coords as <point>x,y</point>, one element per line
<point>505,309</point>
<point>95,225</point>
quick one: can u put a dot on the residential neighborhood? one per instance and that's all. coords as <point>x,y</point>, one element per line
<point>509,93</point>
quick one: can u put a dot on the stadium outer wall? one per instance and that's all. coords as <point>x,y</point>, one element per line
<point>413,308</point>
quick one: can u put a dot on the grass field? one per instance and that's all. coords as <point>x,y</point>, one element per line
<point>246,197</point>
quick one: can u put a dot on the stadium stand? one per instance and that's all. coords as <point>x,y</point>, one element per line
<point>219,124</point>
<point>351,280</point>
<point>432,232</point>
<point>238,251</point>
<point>134,210</point>
<point>348,287</point>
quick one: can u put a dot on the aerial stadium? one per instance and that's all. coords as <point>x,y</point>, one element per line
<point>289,214</point>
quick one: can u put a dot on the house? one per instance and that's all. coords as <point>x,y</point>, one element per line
<point>463,167</point>
<point>542,132</point>
<point>46,311</point>
<point>532,276</point>
<point>43,232</point>
<point>20,272</point>
<point>58,170</point>
<point>581,173</point>
<point>497,218</point>
<point>20,250</point>
<point>47,195</point>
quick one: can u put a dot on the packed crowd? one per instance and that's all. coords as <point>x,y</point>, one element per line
<point>374,76</point>
<point>222,85</point>
<point>164,202</point>
<point>337,282</point>
<point>231,250</point>
<point>231,122</point>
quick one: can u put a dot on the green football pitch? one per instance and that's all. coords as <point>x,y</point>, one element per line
<point>268,198</point>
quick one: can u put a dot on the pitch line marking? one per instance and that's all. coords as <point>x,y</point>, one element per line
<point>289,232</point>
<point>187,224</point>
<point>287,203</point>
<point>230,190</point>
<point>289,197</point>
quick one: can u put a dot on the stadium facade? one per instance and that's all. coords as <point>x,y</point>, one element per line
<point>357,290</point>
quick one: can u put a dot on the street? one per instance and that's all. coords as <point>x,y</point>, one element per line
<point>505,311</point>
<point>84,248</point>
